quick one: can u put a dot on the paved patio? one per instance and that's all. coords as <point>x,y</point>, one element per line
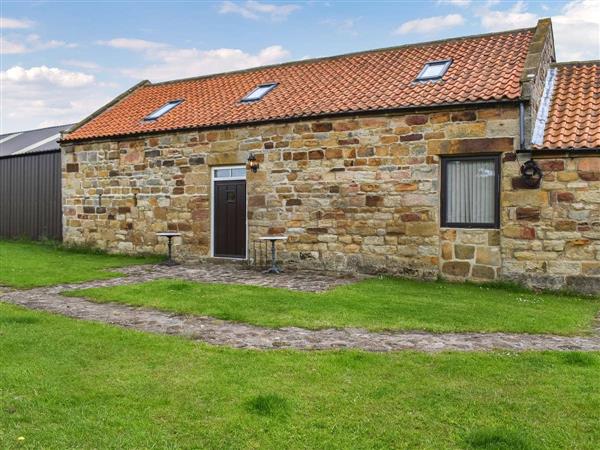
<point>239,335</point>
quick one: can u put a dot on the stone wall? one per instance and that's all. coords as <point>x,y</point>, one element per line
<point>352,194</point>
<point>470,254</point>
<point>551,235</point>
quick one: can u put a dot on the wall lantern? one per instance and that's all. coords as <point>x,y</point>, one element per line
<point>252,163</point>
<point>531,174</point>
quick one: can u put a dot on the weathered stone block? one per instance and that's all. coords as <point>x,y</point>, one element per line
<point>464,251</point>
<point>374,200</point>
<point>528,214</point>
<point>152,153</point>
<point>588,169</point>
<point>416,119</point>
<point>456,268</point>
<point>464,116</point>
<point>518,232</point>
<point>447,253</point>
<point>483,273</point>
<point>320,127</point>
<point>551,165</point>
<point>488,256</point>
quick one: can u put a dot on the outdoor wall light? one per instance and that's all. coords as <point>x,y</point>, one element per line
<point>252,163</point>
<point>531,174</point>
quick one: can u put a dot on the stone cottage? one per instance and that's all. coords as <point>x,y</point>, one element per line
<point>468,158</point>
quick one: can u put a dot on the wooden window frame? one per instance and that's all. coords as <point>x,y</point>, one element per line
<point>444,191</point>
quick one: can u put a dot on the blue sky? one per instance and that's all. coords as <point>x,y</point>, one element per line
<point>62,60</point>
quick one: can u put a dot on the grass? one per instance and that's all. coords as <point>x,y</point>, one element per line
<point>25,264</point>
<point>375,304</point>
<point>72,384</point>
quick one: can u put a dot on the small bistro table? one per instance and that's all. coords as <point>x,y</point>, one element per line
<point>273,239</point>
<point>170,236</point>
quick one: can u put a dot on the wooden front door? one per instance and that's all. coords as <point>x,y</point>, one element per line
<point>230,219</point>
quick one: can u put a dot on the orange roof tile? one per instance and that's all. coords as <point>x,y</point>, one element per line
<point>484,68</point>
<point>573,120</point>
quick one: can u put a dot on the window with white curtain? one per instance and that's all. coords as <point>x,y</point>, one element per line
<point>470,192</point>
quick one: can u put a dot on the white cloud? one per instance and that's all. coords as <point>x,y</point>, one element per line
<point>168,62</point>
<point>430,24</point>
<point>44,74</point>
<point>515,17</point>
<point>459,3</point>
<point>10,47</point>
<point>42,96</point>
<point>576,28</point>
<point>132,44</point>
<point>17,44</point>
<point>577,31</point>
<point>89,65</point>
<point>7,22</point>
<point>345,26</point>
<point>252,9</point>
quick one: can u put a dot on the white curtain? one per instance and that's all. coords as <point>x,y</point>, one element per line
<point>470,191</point>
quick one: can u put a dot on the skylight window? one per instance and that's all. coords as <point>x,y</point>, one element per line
<point>434,70</point>
<point>259,92</point>
<point>163,110</point>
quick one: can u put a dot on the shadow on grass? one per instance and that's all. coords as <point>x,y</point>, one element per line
<point>498,439</point>
<point>268,405</point>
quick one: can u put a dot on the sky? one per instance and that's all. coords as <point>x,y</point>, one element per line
<point>62,60</point>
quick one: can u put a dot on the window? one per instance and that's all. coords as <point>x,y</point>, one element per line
<point>230,172</point>
<point>163,110</point>
<point>434,70</point>
<point>259,92</point>
<point>470,192</point>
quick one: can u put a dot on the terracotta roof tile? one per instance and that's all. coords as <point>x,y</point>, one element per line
<point>573,120</point>
<point>484,68</point>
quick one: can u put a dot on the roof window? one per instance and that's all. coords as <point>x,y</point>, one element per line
<point>163,110</point>
<point>434,70</point>
<point>259,92</point>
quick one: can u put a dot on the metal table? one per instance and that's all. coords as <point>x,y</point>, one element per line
<point>170,236</point>
<point>273,239</point>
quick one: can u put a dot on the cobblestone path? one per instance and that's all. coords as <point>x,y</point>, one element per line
<point>239,335</point>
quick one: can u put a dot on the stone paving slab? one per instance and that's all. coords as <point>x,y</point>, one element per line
<point>239,335</point>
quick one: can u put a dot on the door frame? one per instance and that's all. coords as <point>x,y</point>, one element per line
<point>214,179</point>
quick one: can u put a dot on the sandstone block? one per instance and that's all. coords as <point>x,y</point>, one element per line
<point>447,248</point>
<point>464,116</point>
<point>551,165</point>
<point>464,251</point>
<point>519,232</point>
<point>320,127</point>
<point>528,214</point>
<point>416,119</point>
<point>421,229</point>
<point>456,268</point>
<point>532,197</point>
<point>488,256</point>
<point>483,272</point>
<point>588,169</point>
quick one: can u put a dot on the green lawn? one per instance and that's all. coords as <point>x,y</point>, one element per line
<point>375,304</point>
<point>33,264</point>
<point>72,384</point>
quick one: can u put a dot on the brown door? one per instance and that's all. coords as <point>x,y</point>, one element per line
<point>230,219</point>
